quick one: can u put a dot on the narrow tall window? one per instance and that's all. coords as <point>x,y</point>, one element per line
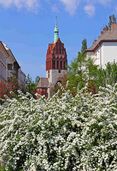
<point>53,64</point>
<point>61,65</point>
<point>57,64</point>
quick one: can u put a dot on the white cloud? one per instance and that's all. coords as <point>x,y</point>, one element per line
<point>28,4</point>
<point>104,2</point>
<point>89,9</point>
<point>55,8</point>
<point>71,5</point>
<point>89,5</point>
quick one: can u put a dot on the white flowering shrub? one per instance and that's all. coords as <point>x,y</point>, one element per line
<point>60,134</point>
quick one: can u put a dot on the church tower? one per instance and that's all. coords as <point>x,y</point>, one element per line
<point>56,66</point>
<point>56,60</point>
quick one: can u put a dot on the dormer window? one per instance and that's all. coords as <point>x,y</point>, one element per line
<point>9,66</point>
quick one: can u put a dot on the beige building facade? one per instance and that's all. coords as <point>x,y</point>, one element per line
<point>9,67</point>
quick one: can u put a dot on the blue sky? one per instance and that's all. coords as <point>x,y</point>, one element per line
<point>26,26</point>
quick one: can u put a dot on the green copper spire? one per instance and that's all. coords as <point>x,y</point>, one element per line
<point>56,32</point>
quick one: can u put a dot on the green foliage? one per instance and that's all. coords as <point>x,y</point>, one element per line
<point>30,85</point>
<point>83,71</point>
<point>37,80</point>
<point>84,46</point>
<point>2,168</point>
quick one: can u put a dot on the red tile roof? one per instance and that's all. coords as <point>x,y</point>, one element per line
<point>108,34</point>
<point>43,83</point>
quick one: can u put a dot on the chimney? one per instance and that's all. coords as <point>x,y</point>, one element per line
<point>113,26</point>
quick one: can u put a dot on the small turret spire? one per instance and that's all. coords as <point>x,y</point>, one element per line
<point>56,31</point>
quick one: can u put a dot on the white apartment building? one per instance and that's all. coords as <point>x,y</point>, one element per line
<point>104,49</point>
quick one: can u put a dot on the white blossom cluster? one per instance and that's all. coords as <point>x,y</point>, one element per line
<point>61,133</point>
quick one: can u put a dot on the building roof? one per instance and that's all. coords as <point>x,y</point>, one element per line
<point>108,34</point>
<point>9,52</point>
<point>5,50</point>
<point>43,83</point>
<point>52,46</point>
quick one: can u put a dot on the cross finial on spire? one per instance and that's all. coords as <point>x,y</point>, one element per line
<point>56,21</point>
<point>56,31</point>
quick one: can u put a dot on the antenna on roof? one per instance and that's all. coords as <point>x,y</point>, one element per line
<point>56,23</point>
